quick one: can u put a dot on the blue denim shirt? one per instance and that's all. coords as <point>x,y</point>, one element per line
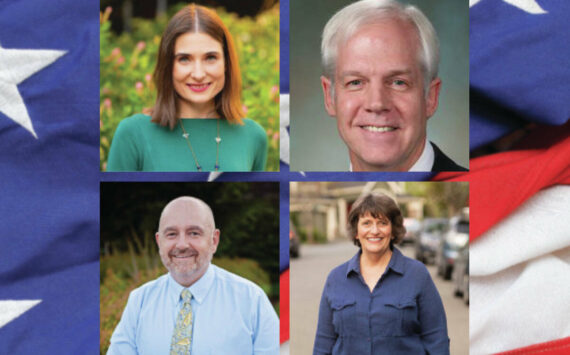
<point>402,315</point>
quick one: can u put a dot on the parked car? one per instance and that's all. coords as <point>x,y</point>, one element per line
<point>430,238</point>
<point>413,227</point>
<point>461,274</point>
<point>455,238</point>
<point>294,242</point>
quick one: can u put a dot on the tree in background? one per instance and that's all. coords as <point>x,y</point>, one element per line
<point>246,213</point>
<point>125,10</point>
<point>442,199</point>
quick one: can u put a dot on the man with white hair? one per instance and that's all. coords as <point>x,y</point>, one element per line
<point>380,64</point>
<point>197,308</point>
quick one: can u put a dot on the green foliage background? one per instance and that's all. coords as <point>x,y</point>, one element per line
<point>128,60</point>
<point>246,213</point>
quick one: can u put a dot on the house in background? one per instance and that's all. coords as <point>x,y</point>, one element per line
<point>320,209</point>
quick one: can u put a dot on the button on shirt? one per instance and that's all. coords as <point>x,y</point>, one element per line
<point>402,315</point>
<point>231,316</point>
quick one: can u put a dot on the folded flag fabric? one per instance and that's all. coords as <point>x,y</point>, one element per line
<point>519,75</point>
<point>518,62</point>
<point>520,276</point>
<point>500,182</point>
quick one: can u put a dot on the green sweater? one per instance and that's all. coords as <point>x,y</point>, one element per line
<point>140,145</point>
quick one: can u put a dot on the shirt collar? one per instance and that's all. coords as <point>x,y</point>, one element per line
<point>425,162</point>
<point>198,289</point>
<point>174,289</point>
<point>354,264</point>
<point>396,263</point>
<point>201,287</point>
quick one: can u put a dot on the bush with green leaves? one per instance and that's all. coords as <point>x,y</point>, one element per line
<point>128,60</point>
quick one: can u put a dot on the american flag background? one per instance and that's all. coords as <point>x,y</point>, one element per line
<point>49,197</point>
<point>49,176</point>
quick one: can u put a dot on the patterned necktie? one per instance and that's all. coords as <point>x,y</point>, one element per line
<point>182,336</point>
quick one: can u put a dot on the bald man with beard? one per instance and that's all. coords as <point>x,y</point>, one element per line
<point>197,308</point>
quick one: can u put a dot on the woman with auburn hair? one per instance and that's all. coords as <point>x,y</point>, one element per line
<point>197,123</point>
<point>380,301</point>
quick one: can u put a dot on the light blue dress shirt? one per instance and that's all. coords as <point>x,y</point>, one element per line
<point>232,315</point>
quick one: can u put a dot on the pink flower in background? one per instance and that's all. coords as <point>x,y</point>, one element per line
<point>274,93</point>
<point>244,108</point>
<point>275,136</point>
<point>115,52</point>
<point>141,45</point>
<point>105,108</point>
<point>139,87</point>
<point>148,77</point>
<point>121,60</point>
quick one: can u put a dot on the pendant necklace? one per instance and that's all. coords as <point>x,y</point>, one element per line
<point>186,136</point>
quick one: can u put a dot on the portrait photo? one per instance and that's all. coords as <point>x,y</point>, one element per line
<point>189,267</point>
<point>379,267</point>
<point>189,87</point>
<point>367,92</point>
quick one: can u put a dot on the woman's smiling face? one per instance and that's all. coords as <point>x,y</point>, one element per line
<point>198,73</point>
<point>374,233</point>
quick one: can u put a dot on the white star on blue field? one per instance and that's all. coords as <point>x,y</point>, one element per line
<point>12,309</point>
<point>17,65</point>
<point>530,6</point>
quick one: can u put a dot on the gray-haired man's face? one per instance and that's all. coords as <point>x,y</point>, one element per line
<point>379,100</point>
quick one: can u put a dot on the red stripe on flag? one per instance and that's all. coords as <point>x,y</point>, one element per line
<point>556,347</point>
<point>501,182</point>
<point>284,306</point>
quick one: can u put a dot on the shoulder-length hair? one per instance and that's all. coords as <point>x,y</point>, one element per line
<point>196,19</point>
<point>378,206</point>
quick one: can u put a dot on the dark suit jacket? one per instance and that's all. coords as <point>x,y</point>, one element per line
<point>442,162</point>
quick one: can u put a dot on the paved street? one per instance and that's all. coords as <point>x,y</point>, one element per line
<point>308,275</point>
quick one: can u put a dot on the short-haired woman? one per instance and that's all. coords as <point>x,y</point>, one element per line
<point>380,302</point>
<point>197,123</point>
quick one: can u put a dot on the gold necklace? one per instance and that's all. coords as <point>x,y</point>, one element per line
<point>218,140</point>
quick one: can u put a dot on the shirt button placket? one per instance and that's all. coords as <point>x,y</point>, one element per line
<point>369,339</point>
